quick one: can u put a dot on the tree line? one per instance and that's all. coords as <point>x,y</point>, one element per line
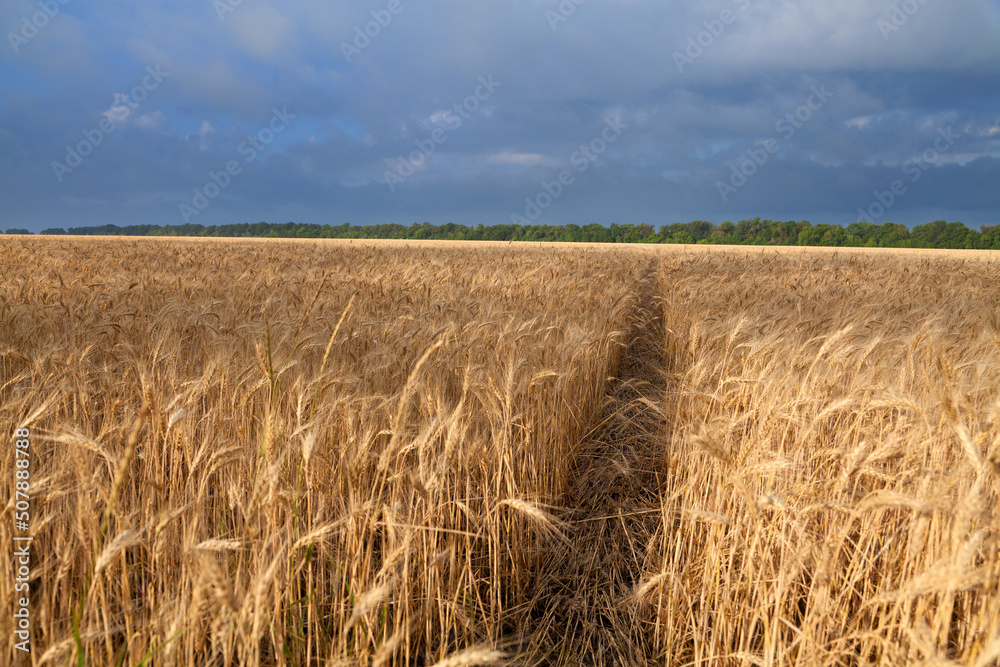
<point>755,231</point>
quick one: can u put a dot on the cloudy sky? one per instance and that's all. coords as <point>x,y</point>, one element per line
<point>371,111</point>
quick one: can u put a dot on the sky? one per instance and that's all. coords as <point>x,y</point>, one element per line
<point>498,111</point>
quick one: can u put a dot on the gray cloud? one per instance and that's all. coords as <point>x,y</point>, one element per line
<point>891,92</point>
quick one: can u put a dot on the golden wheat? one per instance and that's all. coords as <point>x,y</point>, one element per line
<point>270,452</point>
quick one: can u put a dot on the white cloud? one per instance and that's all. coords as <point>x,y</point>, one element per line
<point>262,31</point>
<point>152,121</point>
<point>202,134</point>
<point>519,159</point>
<point>119,112</point>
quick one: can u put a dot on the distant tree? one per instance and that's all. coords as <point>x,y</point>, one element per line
<point>54,231</point>
<point>699,229</point>
<point>893,235</point>
<point>989,238</point>
<point>595,233</point>
<point>861,233</point>
<point>637,233</point>
<point>811,235</point>
<point>834,235</point>
<point>752,231</point>
<point>571,233</point>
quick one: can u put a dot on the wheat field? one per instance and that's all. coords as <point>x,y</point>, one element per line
<point>250,452</point>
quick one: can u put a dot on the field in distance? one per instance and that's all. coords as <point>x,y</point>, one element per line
<point>256,452</point>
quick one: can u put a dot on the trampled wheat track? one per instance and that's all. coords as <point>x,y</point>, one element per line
<point>612,511</point>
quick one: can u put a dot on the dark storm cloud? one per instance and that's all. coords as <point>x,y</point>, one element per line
<point>698,88</point>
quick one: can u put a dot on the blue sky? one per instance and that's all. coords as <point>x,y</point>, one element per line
<point>580,111</point>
